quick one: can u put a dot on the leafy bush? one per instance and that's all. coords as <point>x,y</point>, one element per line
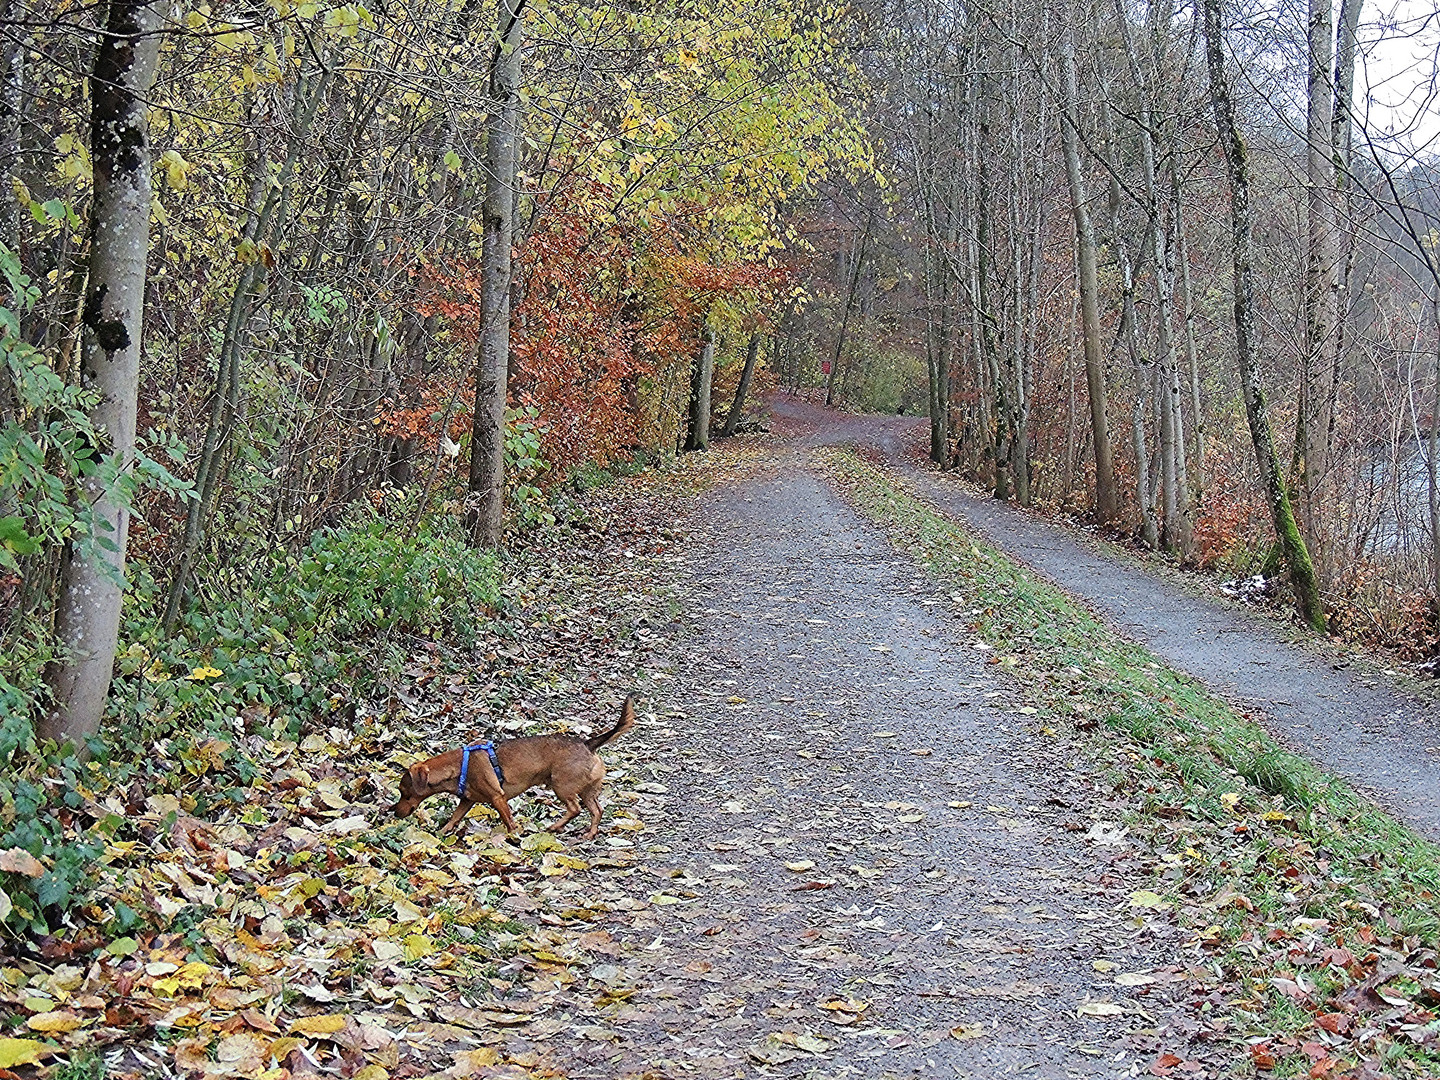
<point>310,629</point>
<point>303,634</point>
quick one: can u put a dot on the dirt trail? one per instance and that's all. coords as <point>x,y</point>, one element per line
<point>1354,723</point>
<point>859,817</point>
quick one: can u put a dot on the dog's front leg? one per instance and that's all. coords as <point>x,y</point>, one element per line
<point>455,818</point>
<point>501,805</point>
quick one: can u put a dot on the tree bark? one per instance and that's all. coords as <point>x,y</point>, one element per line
<point>92,581</point>
<point>487,438</point>
<point>1107,505</point>
<point>698,437</point>
<point>1321,290</point>
<point>737,407</point>
<point>1292,544</point>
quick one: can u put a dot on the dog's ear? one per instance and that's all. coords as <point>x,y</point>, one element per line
<point>422,776</point>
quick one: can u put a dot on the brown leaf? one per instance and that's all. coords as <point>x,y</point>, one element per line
<point>19,861</point>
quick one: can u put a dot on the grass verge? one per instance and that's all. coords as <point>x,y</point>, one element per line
<point>1321,908</point>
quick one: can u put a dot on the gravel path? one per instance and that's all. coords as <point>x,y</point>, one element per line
<point>1358,725</point>
<point>877,870</point>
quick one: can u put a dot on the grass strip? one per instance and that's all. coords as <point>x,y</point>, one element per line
<point>1322,907</point>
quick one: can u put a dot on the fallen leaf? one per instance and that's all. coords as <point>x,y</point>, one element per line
<point>58,1021</point>
<point>1144,898</point>
<point>15,1052</point>
<point>326,1024</point>
<point>19,861</point>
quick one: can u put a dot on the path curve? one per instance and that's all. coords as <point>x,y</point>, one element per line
<point>1384,742</point>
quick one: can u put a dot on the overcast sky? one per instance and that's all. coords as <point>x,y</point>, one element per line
<point>1397,91</point>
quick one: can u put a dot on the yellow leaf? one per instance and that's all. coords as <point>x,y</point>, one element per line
<point>541,841</point>
<point>326,1024</point>
<point>1229,800</point>
<point>372,1072</point>
<point>191,975</point>
<point>176,168</point>
<point>54,1022</point>
<point>1144,898</point>
<point>418,946</point>
<point>15,1052</point>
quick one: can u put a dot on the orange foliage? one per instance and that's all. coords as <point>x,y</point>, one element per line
<point>599,311</point>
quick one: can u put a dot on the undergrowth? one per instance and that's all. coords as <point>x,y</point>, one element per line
<point>298,638</point>
<point>1283,861</point>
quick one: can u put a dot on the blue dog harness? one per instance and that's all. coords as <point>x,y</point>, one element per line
<point>489,748</point>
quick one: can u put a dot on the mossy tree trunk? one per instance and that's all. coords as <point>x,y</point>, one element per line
<point>1287,532</point>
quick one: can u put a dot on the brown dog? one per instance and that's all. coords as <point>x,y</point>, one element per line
<point>567,765</point>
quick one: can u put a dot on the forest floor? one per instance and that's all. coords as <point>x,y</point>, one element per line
<point>1352,718</point>
<point>893,808</point>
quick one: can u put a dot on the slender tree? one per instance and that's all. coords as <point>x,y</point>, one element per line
<point>487,439</point>
<point>1292,544</point>
<point>742,388</point>
<point>1107,505</point>
<point>92,582</point>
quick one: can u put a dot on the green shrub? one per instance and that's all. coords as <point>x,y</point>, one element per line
<point>300,636</point>
<point>307,629</point>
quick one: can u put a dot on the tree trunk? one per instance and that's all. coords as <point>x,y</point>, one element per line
<point>845,318</point>
<point>92,581</point>
<point>1107,506</point>
<point>487,437</point>
<point>737,407</point>
<point>1130,332</point>
<point>1312,436</point>
<point>1292,545</point>
<point>698,437</point>
<point>1192,358</point>
<point>1176,532</point>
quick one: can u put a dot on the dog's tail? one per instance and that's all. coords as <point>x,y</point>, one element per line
<point>627,721</point>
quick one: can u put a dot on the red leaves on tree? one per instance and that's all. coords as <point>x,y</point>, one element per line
<point>600,309</point>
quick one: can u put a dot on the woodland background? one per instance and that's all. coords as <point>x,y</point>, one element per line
<point>1017,219</point>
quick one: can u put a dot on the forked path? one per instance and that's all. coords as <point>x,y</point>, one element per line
<point>877,870</point>
<point>1356,724</point>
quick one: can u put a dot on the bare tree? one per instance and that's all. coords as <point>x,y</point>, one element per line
<point>487,439</point>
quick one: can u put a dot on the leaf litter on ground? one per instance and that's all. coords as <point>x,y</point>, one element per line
<point>301,931</point>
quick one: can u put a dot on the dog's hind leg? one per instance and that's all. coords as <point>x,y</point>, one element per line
<point>591,798</point>
<point>572,811</point>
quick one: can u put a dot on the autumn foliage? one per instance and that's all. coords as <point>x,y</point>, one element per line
<point>600,311</point>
